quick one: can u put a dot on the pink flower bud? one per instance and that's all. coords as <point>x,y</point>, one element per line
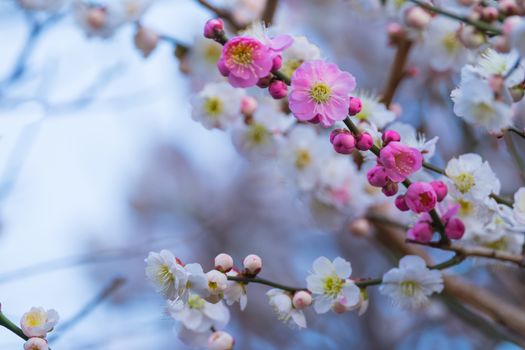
<point>213,27</point>
<point>220,341</point>
<point>390,189</point>
<point>422,232</point>
<point>377,176</point>
<point>336,132</point>
<point>396,33</point>
<point>263,83</point>
<point>315,120</point>
<point>277,62</point>
<point>248,105</point>
<point>344,143</point>
<point>365,141</point>
<point>221,65</point>
<point>418,18</point>
<point>252,264</point>
<point>301,300</point>
<point>455,229</point>
<point>401,203</point>
<point>354,106</point>
<point>489,14</point>
<point>400,161</point>
<point>36,344</point>
<point>278,89</point>
<point>420,197</point>
<point>440,188</point>
<point>389,136</point>
<point>146,41</point>
<point>508,7</point>
<point>223,262</point>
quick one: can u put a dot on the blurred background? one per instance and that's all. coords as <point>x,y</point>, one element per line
<point>100,163</point>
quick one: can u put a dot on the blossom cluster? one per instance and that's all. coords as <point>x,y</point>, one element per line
<point>197,299</point>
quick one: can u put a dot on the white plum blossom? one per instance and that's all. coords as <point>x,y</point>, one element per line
<point>218,105</point>
<point>329,282</point>
<point>198,315</point>
<point>201,62</point>
<point>172,279</point>
<point>373,111</point>
<point>37,322</point>
<point>281,302</point>
<point>492,63</point>
<point>519,205</point>
<point>442,47</point>
<point>300,51</point>
<point>470,176</point>
<point>340,186</point>
<point>235,292</point>
<point>260,138</point>
<point>410,285</point>
<point>217,284</point>
<point>302,155</point>
<point>167,276</point>
<point>476,103</point>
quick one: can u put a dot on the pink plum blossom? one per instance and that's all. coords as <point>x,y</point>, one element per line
<point>400,161</point>
<point>245,60</point>
<point>320,90</point>
<point>421,197</point>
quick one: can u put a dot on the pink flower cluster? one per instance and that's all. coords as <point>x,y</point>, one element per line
<point>396,162</point>
<point>422,231</point>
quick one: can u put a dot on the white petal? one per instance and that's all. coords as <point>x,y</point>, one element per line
<point>342,267</point>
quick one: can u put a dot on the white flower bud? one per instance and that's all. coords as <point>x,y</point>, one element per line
<point>220,341</point>
<point>36,344</point>
<point>302,299</point>
<point>252,264</point>
<point>223,262</point>
<point>416,17</point>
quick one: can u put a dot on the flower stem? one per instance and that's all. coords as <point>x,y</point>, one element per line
<point>482,26</point>
<point>5,322</point>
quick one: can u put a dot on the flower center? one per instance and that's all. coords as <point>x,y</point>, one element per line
<point>242,54</point>
<point>450,43</point>
<point>164,275</point>
<point>365,112</point>
<point>409,288</point>
<point>333,285</point>
<point>483,111</point>
<point>212,53</point>
<point>195,302</point>
<point>404,163</point>
<point>34,320</point>
<point>320,92</point>
<point>213,106</point>
<point>464,182</point>
<point>425,199</point>
<point>302,159</point>
<point>465,207</point>
<point>257,134</point>
<point>289,66</point>
<point>499,244</point>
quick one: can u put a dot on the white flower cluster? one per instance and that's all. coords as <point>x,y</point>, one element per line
<point>471,186</point>
<point>195,299</point>
<point>483,97</point>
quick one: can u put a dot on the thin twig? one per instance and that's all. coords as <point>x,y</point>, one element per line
<point>481,252</point>
<point>226,15</point>
<point>269,12</point>
<point>396,71</point>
